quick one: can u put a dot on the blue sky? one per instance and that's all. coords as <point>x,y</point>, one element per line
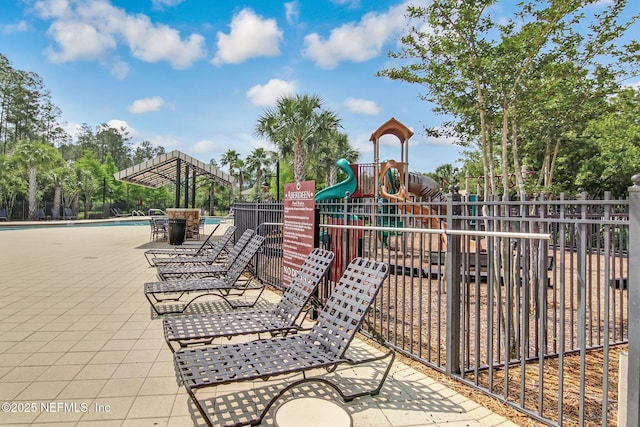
<point>195,75</point>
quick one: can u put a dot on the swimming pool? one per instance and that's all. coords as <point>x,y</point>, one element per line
<point>113,222</point>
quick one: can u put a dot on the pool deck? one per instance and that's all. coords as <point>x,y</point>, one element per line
<point>79,346</point>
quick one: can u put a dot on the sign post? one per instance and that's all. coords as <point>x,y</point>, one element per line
<point>299,227</point>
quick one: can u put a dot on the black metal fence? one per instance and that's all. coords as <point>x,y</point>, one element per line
<point>526,300</point>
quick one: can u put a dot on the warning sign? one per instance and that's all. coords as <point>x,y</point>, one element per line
<point>299,227</point>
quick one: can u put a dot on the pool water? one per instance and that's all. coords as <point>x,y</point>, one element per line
<point>82,223</point>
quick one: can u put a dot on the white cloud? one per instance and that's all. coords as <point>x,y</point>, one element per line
<point>91,30</point>
<point>251,35</point>
<point>169,142</point>
<point>159,4</point>
<point>15,28</point>
<point>123,126</point>
<point>350,3</point>
<point>362,106</point>
<point>440,140</point>
<point>78,41</point>
<point>362,144</point>
<point>635,85</point>
<point>267,94</point>
<point>356,42</point>
<point>146,105</point>
<point>292,11</point>
<point>119,69</point>
<point>204,146</point>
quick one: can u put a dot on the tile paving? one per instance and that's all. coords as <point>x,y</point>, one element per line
<point>79,346</point>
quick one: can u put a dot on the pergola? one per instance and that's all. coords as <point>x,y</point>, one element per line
<point>176,168</point>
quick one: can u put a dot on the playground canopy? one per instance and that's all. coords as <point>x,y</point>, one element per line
<point>174,167</point>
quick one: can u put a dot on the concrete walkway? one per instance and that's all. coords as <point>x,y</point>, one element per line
<point>78,344</point>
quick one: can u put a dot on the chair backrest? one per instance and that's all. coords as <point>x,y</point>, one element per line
<point>207,241</point>
<point>40,213</point>
<point>244,258</point>
<point>344,311</point>
<point>220,244</point>
<point>237,248</point>
<point>3,213</point>
<point>55,213</point>
<point>304,283</point>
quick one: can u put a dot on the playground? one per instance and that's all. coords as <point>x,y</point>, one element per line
<point>525,300</point>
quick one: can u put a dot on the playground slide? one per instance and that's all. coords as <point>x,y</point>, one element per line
<point>339,190</point>
<point>426,188</point>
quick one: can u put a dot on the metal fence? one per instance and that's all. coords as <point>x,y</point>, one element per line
<point>524,300</point>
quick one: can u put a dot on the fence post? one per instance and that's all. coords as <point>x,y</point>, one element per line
<point>633,372</point>
<point>453,261</point>
<point>581,265</point>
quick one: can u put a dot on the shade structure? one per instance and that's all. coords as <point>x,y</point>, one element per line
<point>176,168</point>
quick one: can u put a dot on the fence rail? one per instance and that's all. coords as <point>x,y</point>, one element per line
<point>527,301</point>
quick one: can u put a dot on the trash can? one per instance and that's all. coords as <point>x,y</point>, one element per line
<point>177,229</point>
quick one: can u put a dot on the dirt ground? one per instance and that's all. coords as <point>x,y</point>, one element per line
<point>593,403</point>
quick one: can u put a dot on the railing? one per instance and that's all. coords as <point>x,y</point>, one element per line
<point>526,301</point>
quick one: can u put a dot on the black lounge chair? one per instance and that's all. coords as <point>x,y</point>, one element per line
<point>184,331</point>
<point>214,255</point>
<point>229,287</point>
<point>200,269</point>
<point>55,214</point>
<point>68,214</point>
<point>323,347</point>
<point>40,215</point>
<point>208,247</point>
<point>3,214</point>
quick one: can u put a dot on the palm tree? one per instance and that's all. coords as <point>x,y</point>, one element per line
<point>229,158</point>
<point>57,177</point>
<point>293,124</point>
<point>327,154</point>
<point>34,155</point>
<point>258,160</point>
<point>236,165</point>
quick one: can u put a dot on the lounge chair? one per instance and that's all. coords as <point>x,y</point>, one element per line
<point>206,247</point>
<point>3,214</point>
<point>285,317</point>
<point>68,214</point>
<point>323,347</point>
<point>118,212</point>
<point>229,285</point>
<point>199,268</point>
<point>40,215</point>
<point>201,255</point>
<point>55,214</point>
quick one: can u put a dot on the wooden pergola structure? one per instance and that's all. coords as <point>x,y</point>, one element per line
<point>176,168</point>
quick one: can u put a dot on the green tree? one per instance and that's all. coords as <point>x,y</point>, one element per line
<point>479,71</point>
<point>57,176</point>
<point>12,183</point>
<point>613,141</point>
<point>326,154</point>
<point>89,177</point>
<point>146,151</point>
<point>293,124</point>
<point>36,155</point>
<point>257,162</point>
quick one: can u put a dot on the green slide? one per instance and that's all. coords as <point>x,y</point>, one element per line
<point>339,190</point>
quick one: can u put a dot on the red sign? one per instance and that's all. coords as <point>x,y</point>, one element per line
<point>299,227</point>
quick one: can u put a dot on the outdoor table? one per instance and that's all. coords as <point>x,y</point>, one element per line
<point>311,412</point>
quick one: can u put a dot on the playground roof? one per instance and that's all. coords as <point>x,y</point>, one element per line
<point>169,168</point>
<point>392,127</point>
